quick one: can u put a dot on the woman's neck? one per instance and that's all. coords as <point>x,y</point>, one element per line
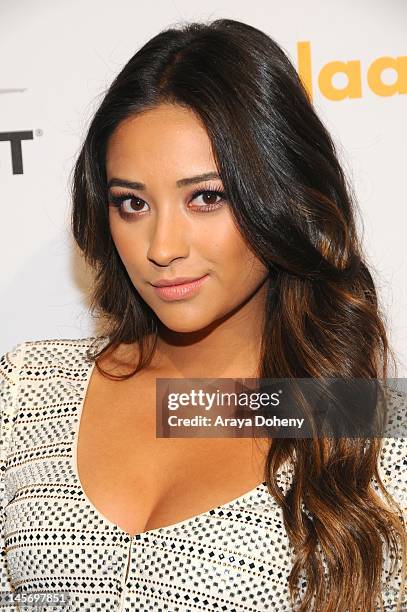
<point>229,347</point>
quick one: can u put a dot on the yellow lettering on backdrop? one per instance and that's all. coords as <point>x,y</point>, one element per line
<point>374,76</point>
<point>352,69</point>
<point>353,89</point>
<point>304,65</point>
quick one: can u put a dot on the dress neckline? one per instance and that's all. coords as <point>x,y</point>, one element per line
<point>262,487</point>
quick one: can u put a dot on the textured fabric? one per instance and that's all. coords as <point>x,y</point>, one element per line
<point>235,557</point>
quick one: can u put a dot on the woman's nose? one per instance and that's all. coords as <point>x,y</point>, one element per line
<point>169,238</point>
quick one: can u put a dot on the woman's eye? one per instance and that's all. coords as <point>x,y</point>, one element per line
<point>128,205</point>
<point>209,200</point>
<point>132,205</point>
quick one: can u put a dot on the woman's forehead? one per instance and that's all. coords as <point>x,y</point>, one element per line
<point>170,139</point>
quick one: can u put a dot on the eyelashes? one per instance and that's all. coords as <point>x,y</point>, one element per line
<point>121,201</point>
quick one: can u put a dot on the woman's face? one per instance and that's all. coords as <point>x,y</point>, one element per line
<point>168,221</point>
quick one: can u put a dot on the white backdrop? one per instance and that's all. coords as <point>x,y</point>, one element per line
<point>58,56</point>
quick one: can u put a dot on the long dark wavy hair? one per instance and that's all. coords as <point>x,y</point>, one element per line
<point>294,206</point>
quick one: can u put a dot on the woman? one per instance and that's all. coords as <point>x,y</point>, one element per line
<point>205,160</point>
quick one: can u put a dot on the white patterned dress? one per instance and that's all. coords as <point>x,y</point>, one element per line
<point>53,541</point>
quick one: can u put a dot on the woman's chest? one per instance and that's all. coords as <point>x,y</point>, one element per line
<point>57,541</point>
<point>143,482</point>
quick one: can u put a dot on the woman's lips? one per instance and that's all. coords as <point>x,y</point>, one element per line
<point>179,292</point>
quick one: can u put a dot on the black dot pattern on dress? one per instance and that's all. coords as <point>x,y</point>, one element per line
<point>235,557</point>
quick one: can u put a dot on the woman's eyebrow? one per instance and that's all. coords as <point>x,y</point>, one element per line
<point>117,182</point>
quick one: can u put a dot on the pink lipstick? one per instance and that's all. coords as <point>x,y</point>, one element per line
<point>180,288</point>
